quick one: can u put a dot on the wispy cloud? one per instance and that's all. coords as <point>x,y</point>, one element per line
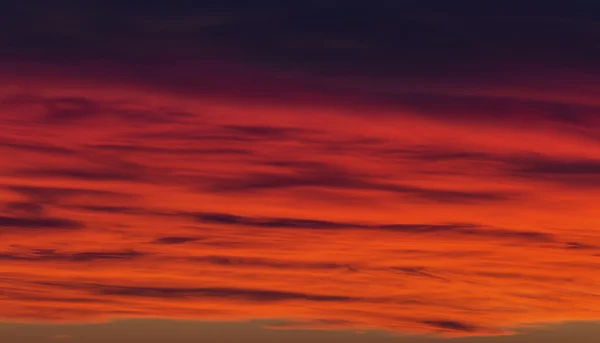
<point>331,178</point>
<point>38,223</point>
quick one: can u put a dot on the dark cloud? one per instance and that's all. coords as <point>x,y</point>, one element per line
<point>109,209</point>
<point>24,208</point>
<point>469,230</point>
<point>39,223</point>
<point>54,300</point>
<point>571,172</point>
<point>35,147</point>
<point>197,135</point>
<point>358,40</point>
<point>226,293</point>
<point>429,153</point>
<point>266,181</point>
<point>451,325</point>
<point>450,196</point>
<point>224,218</point>
<point>577,118</point>
<point>558,167</point>
<point>165,150</point>
<point>130,210</point>
<point>67,109</point>
<point>103,255</point>
<point>175,240</point>
<point>53,194</point>
<point>316,174</point>
<point>266,132</point>
<point>417,271</point>
<point>243,294</point>
<point>440,230</point>
<point>567,171</point>
<point>240,261</point>
<point>82,174</point>
<point>490,109</point>
<point>85,256</point>
<point>578,246</point>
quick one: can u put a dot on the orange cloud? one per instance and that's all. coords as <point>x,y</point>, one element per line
<point>409,217</point>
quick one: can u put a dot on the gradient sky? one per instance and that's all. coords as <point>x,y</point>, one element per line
<point>377,171</point>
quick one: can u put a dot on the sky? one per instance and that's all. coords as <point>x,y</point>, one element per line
<point>372,171</point>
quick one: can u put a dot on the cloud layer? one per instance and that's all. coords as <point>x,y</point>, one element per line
<point>325,175</point>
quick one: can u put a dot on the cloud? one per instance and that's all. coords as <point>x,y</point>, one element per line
<point>469,230</point>
<point>452,196</point>
<point>69,109</point>
<point>295,62</point>
<point>570,171</point>
<point>84,256</point>
<point>565,167</point>
<point>41,200</point>
<point>109,209</point>
<point>24,208</point>
<point>566,171</point>
<point>417,271</point>
<point>319,175</point>
<point>451,325</point>
<point>81,174</point>
<point>578,246</point>
<point>175,240</point>
<point>242,261</point>
<point>489,109</point>
<point>38,223</point>
<point>53,194</point>
<point>32,147</point>
<point>300,161</point>
<point>270,193</point>
<point>224,293</point>
<point>459,229</point>
<point>224,218</point>
<point>103,255</point>
<point>266,132</point>
<point>164,150</point>
<point>64,109</point>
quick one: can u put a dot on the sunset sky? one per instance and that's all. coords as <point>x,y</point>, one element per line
<point>311,171</point>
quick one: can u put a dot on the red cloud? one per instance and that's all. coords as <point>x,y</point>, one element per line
<point>222,202</point>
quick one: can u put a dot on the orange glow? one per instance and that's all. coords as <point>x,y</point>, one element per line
<point>125,199</point>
